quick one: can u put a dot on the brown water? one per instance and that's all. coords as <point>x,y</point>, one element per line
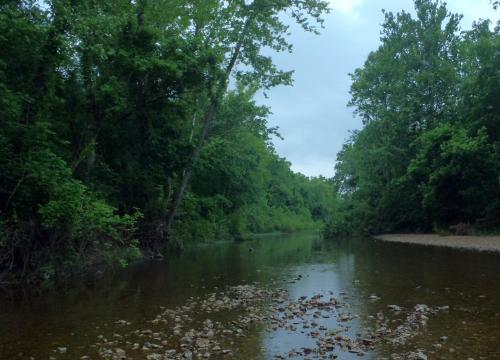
<point>406,275</point>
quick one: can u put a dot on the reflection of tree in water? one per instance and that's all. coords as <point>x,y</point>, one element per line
<point>407,275</point>
<point>399,274</point>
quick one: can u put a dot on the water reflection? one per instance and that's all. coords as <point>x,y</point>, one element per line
<point>397,273</point>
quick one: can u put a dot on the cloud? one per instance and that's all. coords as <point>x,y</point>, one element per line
<point>312,115</point>
<point>315,167</point>
<point>473,11</point>
<point>347,7</point>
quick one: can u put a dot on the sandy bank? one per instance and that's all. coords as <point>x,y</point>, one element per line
<point>478,243</point>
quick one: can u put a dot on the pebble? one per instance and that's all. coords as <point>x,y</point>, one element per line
<point>188,339</point>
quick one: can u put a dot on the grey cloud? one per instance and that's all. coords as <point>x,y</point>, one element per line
<point>312,115</point>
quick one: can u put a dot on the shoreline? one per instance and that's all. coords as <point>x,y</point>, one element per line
<point>466,242</point>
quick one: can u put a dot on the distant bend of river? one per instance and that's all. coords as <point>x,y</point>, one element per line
<point>368,276</point>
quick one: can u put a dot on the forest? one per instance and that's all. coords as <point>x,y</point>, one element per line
<point>129,128</point>
<point>149,211</point>
<point>427,158</point>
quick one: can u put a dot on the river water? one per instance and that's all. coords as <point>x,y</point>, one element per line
<point>368,275</point>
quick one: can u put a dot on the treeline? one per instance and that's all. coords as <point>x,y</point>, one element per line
<point>428,155</point>
<point>130,125</point>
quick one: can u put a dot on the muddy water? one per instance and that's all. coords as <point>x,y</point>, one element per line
<point>366,275</point>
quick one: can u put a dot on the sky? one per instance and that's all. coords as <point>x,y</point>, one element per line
<point>312,115</point>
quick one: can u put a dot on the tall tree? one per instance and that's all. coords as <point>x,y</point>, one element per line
<point>425,96</point>
<point>238,31</point>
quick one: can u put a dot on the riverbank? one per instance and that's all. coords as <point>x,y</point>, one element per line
<point>477,243</point>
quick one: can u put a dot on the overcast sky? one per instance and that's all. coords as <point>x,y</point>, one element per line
<point>312,115</point>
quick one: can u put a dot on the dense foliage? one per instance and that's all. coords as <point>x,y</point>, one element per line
<point>119,132</point>
<point>427,157</point>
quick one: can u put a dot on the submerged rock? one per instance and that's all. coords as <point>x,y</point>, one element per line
<point>212,334</point>
<point>395,308</point>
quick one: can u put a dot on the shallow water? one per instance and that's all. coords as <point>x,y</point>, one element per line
<point>406,275</point>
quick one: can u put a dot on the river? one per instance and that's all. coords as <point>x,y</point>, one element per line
<point>365,275</point>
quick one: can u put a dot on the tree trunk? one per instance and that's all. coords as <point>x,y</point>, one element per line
<point>188,171</point>
<point>207,121</point>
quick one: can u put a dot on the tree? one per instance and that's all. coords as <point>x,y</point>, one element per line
<point>456,173</point>
<point>106,108</point>
<point>428,99</point>
<point>238,32</point>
